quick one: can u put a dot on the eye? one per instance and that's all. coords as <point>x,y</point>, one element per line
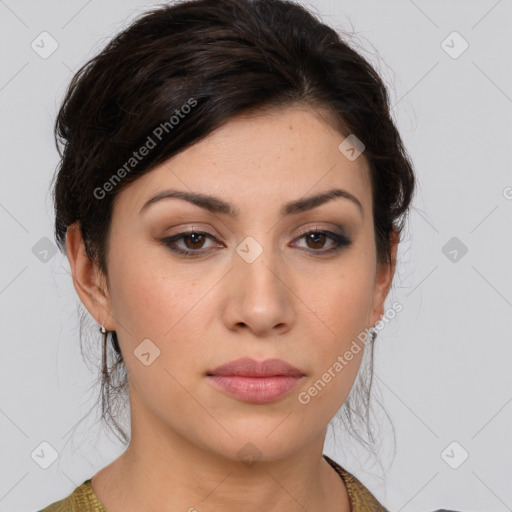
<point>316,239</point>
<point>193,241</point>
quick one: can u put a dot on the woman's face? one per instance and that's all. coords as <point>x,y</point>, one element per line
<point>254,284</point>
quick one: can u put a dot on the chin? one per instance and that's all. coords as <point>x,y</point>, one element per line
<point>257,440</point>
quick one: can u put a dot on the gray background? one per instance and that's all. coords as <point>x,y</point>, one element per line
<point>442,366</point>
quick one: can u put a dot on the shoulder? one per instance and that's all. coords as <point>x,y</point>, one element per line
<point>82,499</point>
<point>361,499</point>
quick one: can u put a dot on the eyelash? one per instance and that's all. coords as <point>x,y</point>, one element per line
<point>341,242</point>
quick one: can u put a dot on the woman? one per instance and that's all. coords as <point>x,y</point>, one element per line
<point>230,197</point>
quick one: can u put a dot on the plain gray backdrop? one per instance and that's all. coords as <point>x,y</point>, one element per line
<point>442,365</point>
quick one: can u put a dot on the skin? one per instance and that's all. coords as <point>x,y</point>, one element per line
<point>290,303</point>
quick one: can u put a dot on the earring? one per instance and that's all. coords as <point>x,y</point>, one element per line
<point>115,344</point>
<point>104,332</point>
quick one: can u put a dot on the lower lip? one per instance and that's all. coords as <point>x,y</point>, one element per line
<point>257,390</point>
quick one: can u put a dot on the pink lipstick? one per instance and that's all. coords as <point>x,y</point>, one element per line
<point>256,381</point>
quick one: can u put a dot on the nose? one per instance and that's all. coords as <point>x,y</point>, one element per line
<point>258,296</point>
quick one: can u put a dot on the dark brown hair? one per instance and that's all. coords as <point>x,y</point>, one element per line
<point>183,70</point>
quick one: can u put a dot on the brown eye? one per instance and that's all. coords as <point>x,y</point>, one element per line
<point>316,240</point>
<point>192,241</point>
<point>196,239</point>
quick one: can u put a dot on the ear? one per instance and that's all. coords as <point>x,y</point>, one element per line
<point>89,281</point>
<point>383,281</point>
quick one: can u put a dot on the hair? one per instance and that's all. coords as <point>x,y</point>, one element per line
<point>180,71</point>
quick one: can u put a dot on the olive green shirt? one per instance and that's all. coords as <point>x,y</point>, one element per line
<point>83,499</point>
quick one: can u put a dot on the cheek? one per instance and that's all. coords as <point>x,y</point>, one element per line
<point>339,304</point>
<point>147,299</point>
<point>150,306</point>
<point>337,317</point>
<point>171,311</point>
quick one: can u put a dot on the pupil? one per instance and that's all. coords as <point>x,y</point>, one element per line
<point>312,237</point>
<point>195,238</point>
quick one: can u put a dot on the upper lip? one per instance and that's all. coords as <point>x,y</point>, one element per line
<point>248,367</point>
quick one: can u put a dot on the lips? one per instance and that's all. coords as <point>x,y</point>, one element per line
<point>257,382</point>
<point>247,367</point>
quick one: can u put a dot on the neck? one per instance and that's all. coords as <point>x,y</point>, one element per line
<point>163,470</point>
<point>153,474</point>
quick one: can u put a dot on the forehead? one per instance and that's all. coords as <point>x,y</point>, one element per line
<point>285,153</point>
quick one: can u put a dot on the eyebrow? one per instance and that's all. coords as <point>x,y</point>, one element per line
<point>215,205</point>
